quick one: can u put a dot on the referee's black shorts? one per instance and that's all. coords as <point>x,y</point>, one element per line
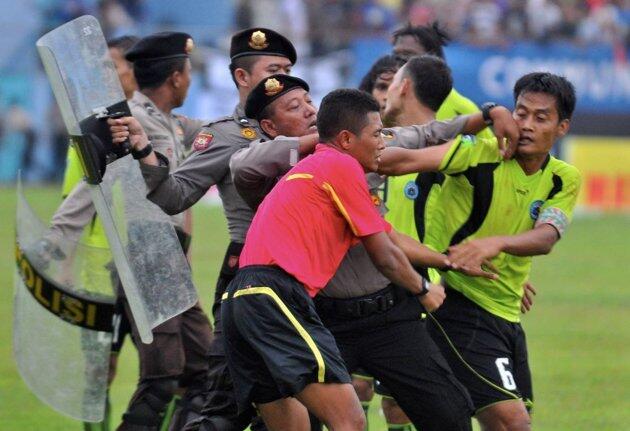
<point>274,341</point>
<point>488,354</point>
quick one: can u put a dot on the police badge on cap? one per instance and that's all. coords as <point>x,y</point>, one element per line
<point>161,46</point>
<point>270,89</point>
<point>261,41</point>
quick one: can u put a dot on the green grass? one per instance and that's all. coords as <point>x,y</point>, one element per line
<point>578,331</point>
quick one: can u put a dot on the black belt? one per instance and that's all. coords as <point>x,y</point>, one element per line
<point>363,306</point>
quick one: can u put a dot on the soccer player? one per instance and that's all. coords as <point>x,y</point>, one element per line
<point>507,212</point>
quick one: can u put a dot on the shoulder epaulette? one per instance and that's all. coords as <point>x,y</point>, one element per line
<point>219,120</point>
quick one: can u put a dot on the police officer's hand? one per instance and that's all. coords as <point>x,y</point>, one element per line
<point>505,129</point>
<point>434,298</point>
<point>128,128</point>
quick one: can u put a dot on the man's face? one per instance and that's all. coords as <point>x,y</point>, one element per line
<point>408,46</point>
<point>368,145</point>
<point>124,69</point>
<point>293,115</point>
<point>184,78</point>
<point>393,98</point>
<point>380,88</point>
<point>268,65</point>
<point>537,117</point>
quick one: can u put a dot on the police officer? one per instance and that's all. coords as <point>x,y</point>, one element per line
<point>176,358</point>
<point>255,54</point>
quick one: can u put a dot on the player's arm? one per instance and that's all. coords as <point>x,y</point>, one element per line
<point>392,262</point>
<point>421,255</point>
<point>537,241</point>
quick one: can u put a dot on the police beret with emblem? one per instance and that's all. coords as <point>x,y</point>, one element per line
<point>268,90</point>
<point>261,41</point>
<point>161,46</point>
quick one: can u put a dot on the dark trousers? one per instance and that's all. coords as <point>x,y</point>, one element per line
<point>394,346</point>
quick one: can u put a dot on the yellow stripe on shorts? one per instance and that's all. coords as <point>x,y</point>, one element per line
<point>321,372</point>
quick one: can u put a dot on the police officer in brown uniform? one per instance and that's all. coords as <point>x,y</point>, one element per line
<point>176,360</point>
<point>255,54</point>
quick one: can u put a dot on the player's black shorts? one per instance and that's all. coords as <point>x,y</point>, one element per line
<point>274,340</point>
<point>488,354</point>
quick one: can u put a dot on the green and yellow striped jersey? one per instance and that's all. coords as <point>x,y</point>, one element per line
<point>483,196</point>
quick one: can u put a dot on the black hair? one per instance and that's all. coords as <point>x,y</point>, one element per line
<point>344,109</point>
<point>431,37</point>
<point>153,73</point>
<point>548,83</point>
<point>431,78</point>
<point>387,63</point>
<point>123,42</point>
<point>246,63</point>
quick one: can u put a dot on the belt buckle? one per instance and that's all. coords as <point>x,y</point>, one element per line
<point>367,307</point>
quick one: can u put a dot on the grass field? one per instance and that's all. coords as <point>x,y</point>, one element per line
<point>578,331</point>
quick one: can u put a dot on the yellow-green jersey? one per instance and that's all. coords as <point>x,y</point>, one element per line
<point>411,197</point>
<point>484,196</point>
<point>94,234</point>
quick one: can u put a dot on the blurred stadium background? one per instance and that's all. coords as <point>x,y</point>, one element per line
<point>579,330</point>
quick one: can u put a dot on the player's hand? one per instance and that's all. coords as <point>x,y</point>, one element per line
<point>475,254</point>
<point>128,128</point>
<point>432,300</point>
<point>486,270</point>
<point>529,291</point>
<point>505,129</point>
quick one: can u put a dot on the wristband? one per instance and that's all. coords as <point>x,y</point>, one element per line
<point>485,112</point>
<point>141,154</point>
<point>425,288</point>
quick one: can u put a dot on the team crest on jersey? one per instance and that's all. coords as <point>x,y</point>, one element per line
<point>411,190</point>
<point>202,141</point>
<point>534,209</point>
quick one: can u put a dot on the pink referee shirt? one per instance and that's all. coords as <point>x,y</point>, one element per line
<point>310,219</point>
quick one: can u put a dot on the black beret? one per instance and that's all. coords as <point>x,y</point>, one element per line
<point>261,41</point>
<point>161,46</point>
<point>268,90</point>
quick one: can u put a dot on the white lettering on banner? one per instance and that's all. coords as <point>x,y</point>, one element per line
<point>603,81</point>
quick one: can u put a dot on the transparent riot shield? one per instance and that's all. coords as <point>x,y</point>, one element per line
<point>153,269</point>
<point>62,319</point>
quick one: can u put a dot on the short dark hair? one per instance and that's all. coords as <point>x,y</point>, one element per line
<point>387,63</point>
<point>246,63</point>
<point>344,109</point>
<point>548,83</point>
<point>431,37</point>
<point>123,42</point>
<point>153,73</point>
<point>431,78</point>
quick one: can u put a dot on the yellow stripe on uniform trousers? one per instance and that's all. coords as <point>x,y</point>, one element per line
<point>321,372</point>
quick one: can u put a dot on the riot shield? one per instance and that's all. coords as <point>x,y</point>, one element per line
<point>62,326</point>
<point>153,269</point>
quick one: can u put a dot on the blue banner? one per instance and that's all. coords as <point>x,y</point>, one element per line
<point>488,74</point>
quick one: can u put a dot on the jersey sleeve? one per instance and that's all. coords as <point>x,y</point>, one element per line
<point>348,190</point>
<point>557,211</point>
<point>467,152</point>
